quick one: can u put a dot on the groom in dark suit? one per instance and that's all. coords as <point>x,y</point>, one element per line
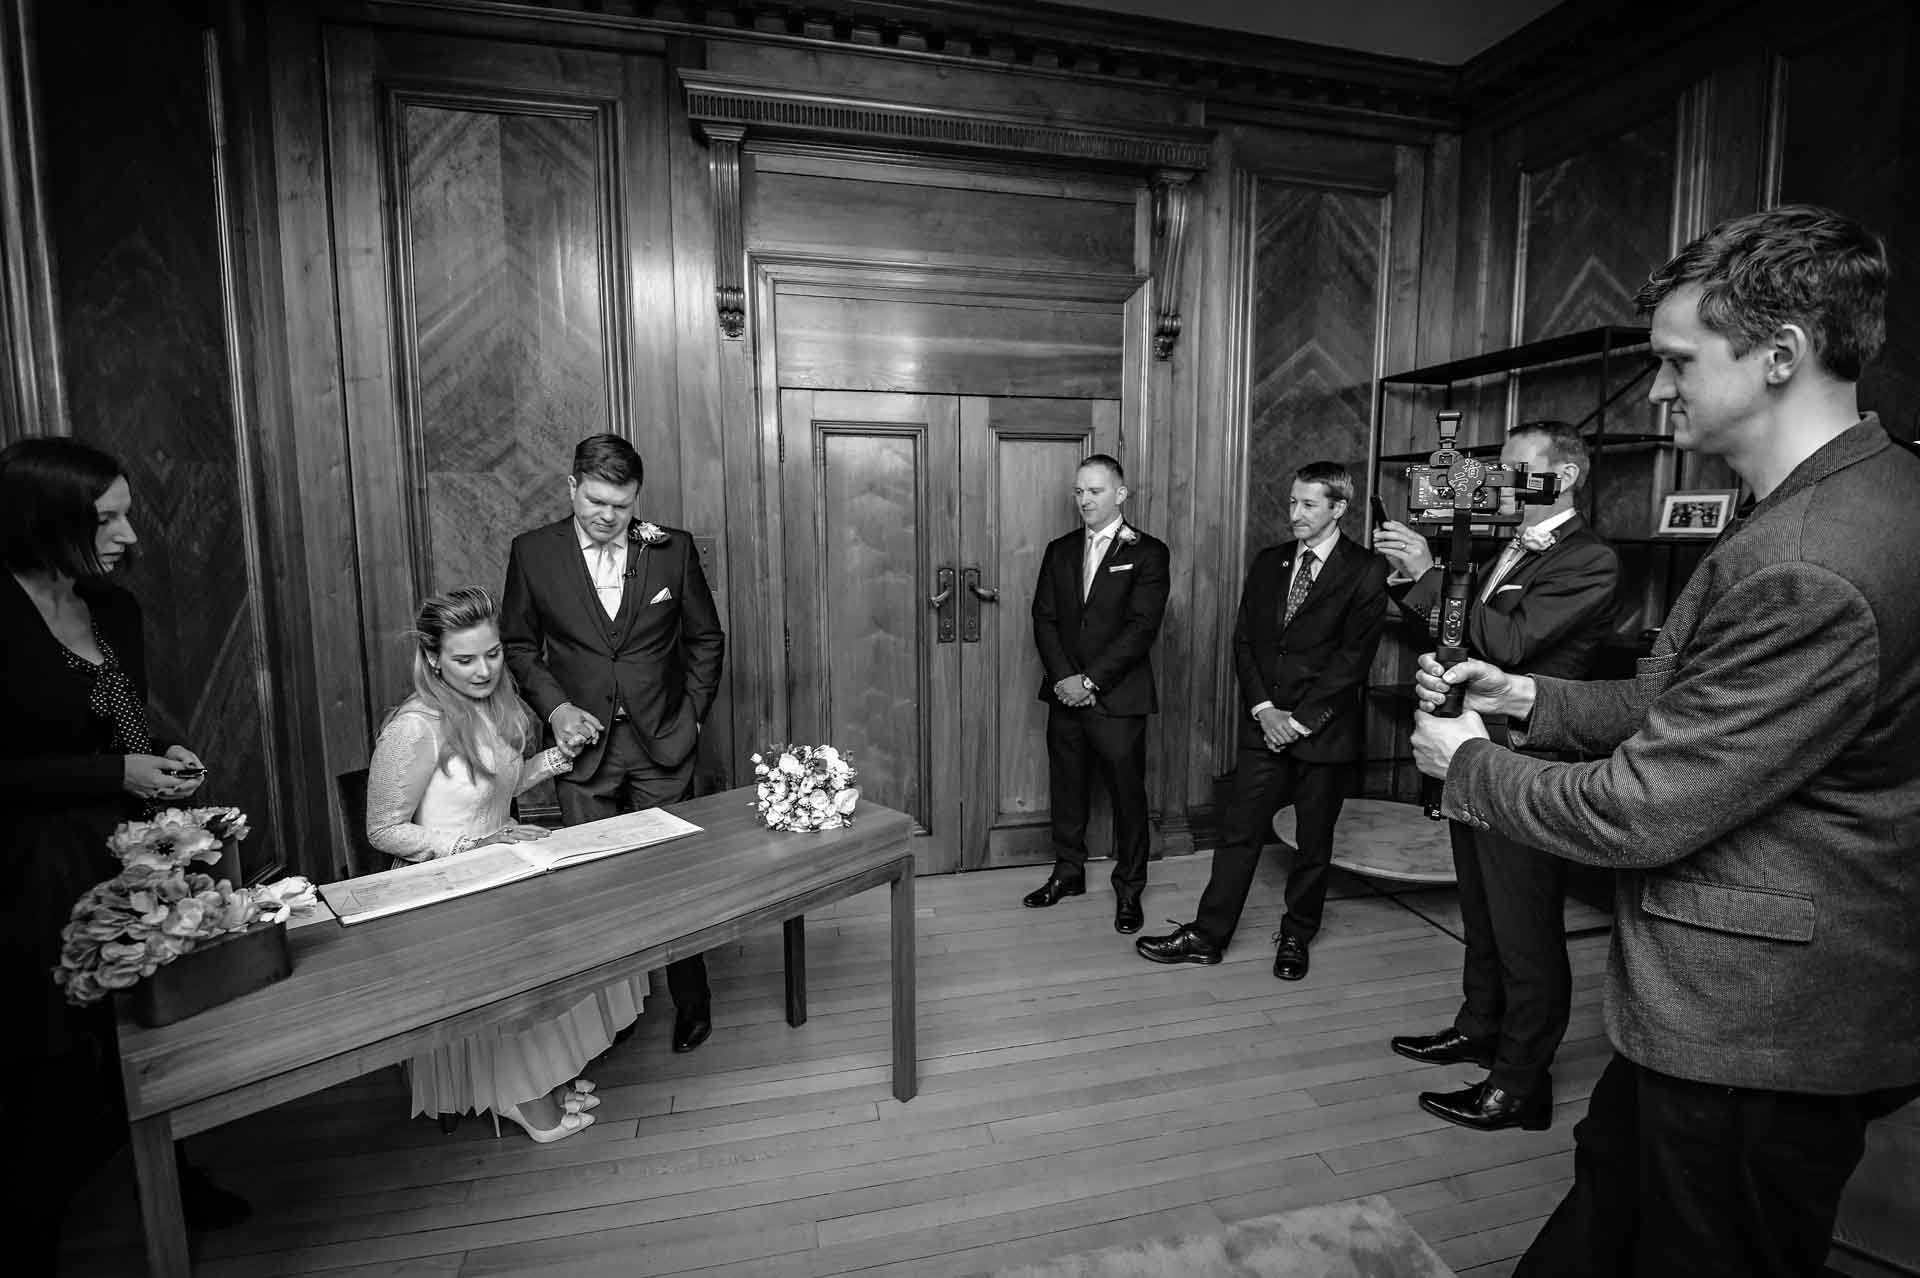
<point>1310,621</point>
<point>1096,612</point>
<point>1544,607</point>
<point>613,636</point>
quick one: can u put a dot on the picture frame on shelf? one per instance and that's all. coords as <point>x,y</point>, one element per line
<point>1695,514</point>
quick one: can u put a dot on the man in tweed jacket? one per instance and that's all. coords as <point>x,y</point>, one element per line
<point>1762,797</point>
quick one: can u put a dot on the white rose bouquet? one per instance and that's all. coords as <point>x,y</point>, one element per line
<point>157,908</point>
<point>805,787</point>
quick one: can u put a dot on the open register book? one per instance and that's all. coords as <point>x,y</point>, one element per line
<point>409,887</point>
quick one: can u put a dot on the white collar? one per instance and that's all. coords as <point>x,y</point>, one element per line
<point>1548,525</point>
<point>1324,547</point>
<point>1108,531</point>
<point>590,547</point>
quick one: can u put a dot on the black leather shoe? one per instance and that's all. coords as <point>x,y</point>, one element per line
<point>690,1029</point>
<point>1182,945</point>
<point>1050,892</point>
<point>1290,958</point>
<point>1486,1108</point>
<point>1128,918</point>
<point>1448,1047</point>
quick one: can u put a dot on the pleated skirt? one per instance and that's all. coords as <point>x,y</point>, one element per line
<point>513,1064</point>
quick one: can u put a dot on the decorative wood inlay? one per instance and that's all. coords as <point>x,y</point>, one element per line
<point>1317,264</point>
<point>1171,189</point>
<point>780,112</point>
<point>729,241</point>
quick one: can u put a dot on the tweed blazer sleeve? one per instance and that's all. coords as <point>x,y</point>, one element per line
<point>1776,679</point>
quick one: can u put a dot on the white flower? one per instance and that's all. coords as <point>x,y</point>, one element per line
<point>648,534</point>
<point>1127,536</point>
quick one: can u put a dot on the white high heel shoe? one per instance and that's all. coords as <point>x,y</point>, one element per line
<point>570,1122</point>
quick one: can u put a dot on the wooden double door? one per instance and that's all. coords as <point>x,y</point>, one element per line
<point>912,529</point>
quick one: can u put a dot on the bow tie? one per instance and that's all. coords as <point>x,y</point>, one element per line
<point>1535,539</point>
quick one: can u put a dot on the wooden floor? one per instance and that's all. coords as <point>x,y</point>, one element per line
<point>1071,1096</point>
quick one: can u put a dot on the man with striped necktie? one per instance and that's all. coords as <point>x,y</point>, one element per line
<point>1309,623</point>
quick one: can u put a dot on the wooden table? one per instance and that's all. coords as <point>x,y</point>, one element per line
<point>377,993</point>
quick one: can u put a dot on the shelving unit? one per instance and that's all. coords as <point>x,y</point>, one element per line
<point>1605,345</point>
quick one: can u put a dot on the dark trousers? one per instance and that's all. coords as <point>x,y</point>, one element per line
<point>1518,985</point>
<point>628,780</point>
<point>1082,745</point>
<point>1264,782</point>
<point>1678,1177</point>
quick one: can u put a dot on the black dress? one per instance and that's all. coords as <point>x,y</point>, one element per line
<point>66,727</point>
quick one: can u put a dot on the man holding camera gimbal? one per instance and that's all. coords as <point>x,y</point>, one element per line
<point>1544,605</point>
<point>1759,800</point>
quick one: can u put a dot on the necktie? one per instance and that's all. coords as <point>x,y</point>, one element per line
<point>1096,551</point>
<point>1302,581</point>
<point>607,580</point>
<point>1502,566</point>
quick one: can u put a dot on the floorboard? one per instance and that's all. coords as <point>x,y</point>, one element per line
<point>1072,1096</point>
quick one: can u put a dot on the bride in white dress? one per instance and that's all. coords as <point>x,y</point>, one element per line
<point>447,765</point>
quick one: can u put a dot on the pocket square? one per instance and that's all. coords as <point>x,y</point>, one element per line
<point>1501,590</point>
<point>1121,568</point>
<point>664,595</point>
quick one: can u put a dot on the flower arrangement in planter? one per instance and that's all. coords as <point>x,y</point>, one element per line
<point>158,910</point>
<point>805,787</point>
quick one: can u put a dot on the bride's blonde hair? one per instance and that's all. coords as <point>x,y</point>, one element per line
<point>462,718</point>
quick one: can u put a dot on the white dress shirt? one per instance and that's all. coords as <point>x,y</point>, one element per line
<point>1096,550</point>
<point>607,566</point>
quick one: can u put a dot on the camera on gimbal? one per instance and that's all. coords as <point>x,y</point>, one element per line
<point>1451,482</point>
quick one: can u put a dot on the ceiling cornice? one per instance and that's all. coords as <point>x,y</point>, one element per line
<point>1052,40</point>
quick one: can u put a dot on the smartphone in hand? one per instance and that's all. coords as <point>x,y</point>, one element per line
<point>1379,510</point>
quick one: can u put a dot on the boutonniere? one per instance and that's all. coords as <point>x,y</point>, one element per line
<point>1126,536</point>
<point>1534,539</point>
<point>648,534</point>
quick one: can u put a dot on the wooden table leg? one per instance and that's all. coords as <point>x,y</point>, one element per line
<point>158,1177</point>
<point>796,937</point>
<point>906,1061</point>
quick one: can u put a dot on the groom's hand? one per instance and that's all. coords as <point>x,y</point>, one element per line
<point>572,724</point>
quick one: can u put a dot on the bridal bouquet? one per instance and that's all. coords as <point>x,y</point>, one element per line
<point>805,787</point>
<point>158,908</point>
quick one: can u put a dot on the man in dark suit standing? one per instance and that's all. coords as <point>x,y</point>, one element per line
<point>1759,793</point>
<point>613,636</point>
<point>1309,624</point>
<point>1545,605</point>
<point>1096,612</point>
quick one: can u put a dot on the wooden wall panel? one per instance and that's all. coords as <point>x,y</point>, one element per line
<point>503,238</point>
<point>903,344</point>
<point>959,225</point>
<point>143,334</point>
<point>1595,224</point>
<point>1843,144</point>
<point>1317,276</point>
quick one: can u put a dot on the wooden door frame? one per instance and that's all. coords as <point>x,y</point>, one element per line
<point>768,273</point>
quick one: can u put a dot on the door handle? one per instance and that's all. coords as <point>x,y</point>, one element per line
<point>942,605</point>
<point>970,604</point>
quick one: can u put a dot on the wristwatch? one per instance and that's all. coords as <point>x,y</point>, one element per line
<point>1091,686</point>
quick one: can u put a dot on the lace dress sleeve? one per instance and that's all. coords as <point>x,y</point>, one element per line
<point>403,762</point>
<point>549,763</point>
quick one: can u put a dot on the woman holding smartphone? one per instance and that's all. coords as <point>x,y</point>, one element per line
<point>78,758</point>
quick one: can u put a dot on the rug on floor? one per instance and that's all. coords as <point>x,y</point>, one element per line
<point>1364,1238</point>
